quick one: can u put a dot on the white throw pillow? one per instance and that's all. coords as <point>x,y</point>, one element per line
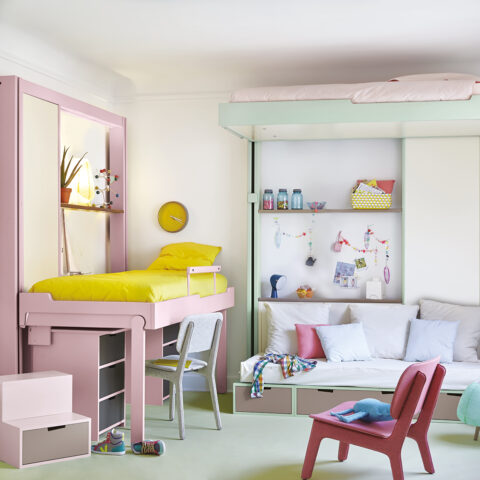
<point>385,327</point>
<point>344,343</point>
<point>281,320</point>
<point>468,333</point>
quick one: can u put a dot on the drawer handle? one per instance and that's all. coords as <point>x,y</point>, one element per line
<point>326,390</point>
<point>112,366</point>
<point>267,388</point>
<point>455,394</point>
<point>50,429</point>
<point>387,392</point>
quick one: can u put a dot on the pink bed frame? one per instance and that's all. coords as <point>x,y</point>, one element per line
<point>38,312</point>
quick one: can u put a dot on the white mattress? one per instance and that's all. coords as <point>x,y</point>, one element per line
<point>373,92</point>
<point>377,373</point>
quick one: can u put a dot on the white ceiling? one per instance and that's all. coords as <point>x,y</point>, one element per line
<point>178,46</point>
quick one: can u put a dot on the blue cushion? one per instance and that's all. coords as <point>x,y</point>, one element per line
<point>429,339</point>
<point>344,343</point>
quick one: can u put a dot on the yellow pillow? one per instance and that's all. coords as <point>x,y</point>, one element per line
<point>179,256</point>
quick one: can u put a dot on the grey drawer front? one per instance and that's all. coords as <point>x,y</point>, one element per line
<point>112,379</point>
<point>170,333</point>
<point>312,400</point>
<point>446,408</point>
<point>166,388</point>
<point>112,348</point>
<point>111,410</point>
<point>45,444</point>
<point>274,400</point>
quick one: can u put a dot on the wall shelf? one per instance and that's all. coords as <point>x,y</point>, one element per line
<point>329,300</point>
<point>71,206</point>
<point>337,210</point>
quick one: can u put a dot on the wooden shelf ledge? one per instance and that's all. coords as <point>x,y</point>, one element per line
<point>337,210</point>
<point>330,300</point>
<point>71,206</point>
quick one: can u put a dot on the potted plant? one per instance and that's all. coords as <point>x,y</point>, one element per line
<point>66,176</point>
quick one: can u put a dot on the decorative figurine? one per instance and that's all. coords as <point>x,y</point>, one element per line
<point>108,178</point>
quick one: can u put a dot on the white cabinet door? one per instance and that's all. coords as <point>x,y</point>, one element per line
<point>441,229</point>
<point>39,194</point>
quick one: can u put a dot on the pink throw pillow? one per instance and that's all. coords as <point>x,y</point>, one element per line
<point>309,345</point>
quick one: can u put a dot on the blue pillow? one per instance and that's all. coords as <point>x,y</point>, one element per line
<point>429,339</point>
<point>344,343</point>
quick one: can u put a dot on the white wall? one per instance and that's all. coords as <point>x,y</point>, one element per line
<point>327,170</point>
<point>177,151</point>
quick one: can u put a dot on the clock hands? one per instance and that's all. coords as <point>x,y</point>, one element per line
<point>177,219</point>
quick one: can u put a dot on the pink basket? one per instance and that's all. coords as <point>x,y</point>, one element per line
<point>385,185</point>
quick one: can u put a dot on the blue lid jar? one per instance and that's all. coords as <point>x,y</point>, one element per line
<point>282,199</point>
<point>297,199</point>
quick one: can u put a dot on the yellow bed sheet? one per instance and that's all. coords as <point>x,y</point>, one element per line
<point>132,286</point>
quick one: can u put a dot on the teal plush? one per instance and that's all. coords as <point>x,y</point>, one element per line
<point>369,410</point>
<point>468,410</point>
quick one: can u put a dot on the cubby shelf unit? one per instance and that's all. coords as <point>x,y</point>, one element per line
<point>337,210</point>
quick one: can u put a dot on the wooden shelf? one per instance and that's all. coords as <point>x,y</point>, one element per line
<point>337,210</point>
<point>71,206</point>
<point>328,300</point>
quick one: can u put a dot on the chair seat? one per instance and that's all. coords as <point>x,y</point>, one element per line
<point>378,429</point>
<point>196,364</point>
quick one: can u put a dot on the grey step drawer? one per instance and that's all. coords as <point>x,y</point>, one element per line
<point>112,347</point>
<point>63,441</point>
<point>112,379</point>
<point>274,400</point>
<point>170,333</point>
<point>111,411</point>
<point>313,400</point>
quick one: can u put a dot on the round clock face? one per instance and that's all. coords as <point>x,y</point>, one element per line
<point>173,216</point>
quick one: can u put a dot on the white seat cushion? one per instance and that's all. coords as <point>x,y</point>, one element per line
<point>196,364</point>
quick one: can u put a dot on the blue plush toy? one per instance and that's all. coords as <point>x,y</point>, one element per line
<point>368,410</point>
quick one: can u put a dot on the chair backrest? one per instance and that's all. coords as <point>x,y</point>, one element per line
<point>405,384</point>
<point>203,331</point>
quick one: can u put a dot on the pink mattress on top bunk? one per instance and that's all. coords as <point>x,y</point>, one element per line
<point>414,88</point>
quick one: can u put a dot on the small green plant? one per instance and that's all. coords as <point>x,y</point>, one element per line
<point>66,176</point>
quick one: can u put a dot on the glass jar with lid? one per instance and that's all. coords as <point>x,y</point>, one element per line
<point>297,199</point>
<point>282,199</point>
<point>268,200</point>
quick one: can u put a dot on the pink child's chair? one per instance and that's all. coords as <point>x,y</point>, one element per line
<point>417,392</point>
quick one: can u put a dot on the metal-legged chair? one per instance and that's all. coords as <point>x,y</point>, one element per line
<point>197,333</point>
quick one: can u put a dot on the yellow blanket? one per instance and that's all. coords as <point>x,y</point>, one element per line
<point>133,286</point>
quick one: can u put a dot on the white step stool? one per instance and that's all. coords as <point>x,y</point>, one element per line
<point>37,425</point>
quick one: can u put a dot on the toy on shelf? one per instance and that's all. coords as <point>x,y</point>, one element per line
<point>108,178</point>
<point>305,291</point>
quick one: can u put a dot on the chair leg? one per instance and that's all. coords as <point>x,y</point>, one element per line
<point>477,431</point>
<point>343,451</point>
<point>213,393</point>
<point>312,451</point>
<point>425,453</point>
<point>181,422</point>
<point>172,402</point>
<point>397,467</point>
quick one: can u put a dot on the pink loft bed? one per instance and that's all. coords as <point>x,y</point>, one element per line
<point>37,313</point>
<point>144,322</point>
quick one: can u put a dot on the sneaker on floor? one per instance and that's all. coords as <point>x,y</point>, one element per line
<point>112,445</point>
<point>149,447</point>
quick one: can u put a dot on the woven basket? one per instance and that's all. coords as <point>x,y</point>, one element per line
<point>371,201</point>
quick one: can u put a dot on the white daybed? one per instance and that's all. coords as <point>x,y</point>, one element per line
<point>332,383</point>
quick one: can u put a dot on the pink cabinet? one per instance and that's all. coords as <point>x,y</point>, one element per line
<point>96,360</point>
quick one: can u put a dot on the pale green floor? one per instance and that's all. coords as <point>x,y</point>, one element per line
<point>253,447</point>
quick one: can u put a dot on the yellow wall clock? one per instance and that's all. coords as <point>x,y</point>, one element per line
<point>173,216</point>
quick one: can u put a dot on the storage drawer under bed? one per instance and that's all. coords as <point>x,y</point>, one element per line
<point>274,400</point>
<point>315,400</point>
